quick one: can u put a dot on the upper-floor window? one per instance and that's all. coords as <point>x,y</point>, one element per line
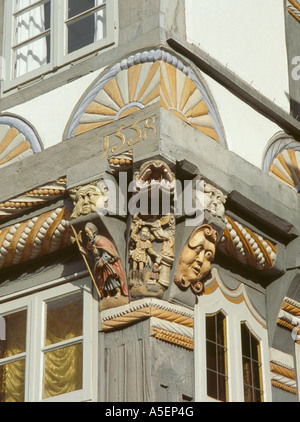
<point>42,35</point>
<point>216,356</point>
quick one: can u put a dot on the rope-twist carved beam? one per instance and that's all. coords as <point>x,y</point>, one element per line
<point>247,247</point>
<point>36,237</point>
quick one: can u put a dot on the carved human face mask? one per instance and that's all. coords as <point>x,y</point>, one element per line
<point>86,200</point>
<point>214,200</point>
<point>196,257</point>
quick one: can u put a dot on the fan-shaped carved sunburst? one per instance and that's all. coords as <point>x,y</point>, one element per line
<point>286,168</point>
<point>144,80</point>
<point>282,160</point>
<point>13,145</point>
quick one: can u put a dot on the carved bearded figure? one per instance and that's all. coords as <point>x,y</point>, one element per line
<point>107,266</point>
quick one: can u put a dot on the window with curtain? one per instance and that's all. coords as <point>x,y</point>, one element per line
<point>252,375</point>
<point>13,356</point>
<point>54,343</point>
<point>32,35</point>
<point>216,357</point>
<point>45,34</point>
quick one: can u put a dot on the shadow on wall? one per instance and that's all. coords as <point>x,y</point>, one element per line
<point>295,108</point>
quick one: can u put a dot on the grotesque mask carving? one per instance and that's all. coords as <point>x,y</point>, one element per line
<point>214,200</point>
<point>89,198</point>
<point>155,173</point>
<point>196,258</point>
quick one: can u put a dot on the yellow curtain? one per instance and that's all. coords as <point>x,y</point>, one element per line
<point>63,367</point>
<point>12,375</point>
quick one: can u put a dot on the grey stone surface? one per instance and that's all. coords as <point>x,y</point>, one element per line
<point>292,34</point>
<point>275,294</point>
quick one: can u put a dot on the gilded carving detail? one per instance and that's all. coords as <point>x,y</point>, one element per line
<point>103,262</point>
<point>141,80</point>
<point>247,247</point>
<point>196,258</point>
<point>150,265</point>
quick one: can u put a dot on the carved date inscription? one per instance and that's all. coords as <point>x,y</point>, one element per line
<point>144,130</point>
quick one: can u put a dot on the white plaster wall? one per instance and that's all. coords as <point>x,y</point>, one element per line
<point>49,113</point>
<point>247,132</point>
<point>248,37</point>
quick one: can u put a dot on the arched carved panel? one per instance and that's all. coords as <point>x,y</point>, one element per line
<point>17,140</point>
<point>282,161</point>
<point>141,80</point>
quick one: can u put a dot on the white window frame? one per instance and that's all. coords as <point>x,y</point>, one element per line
<point>35,305</point>
<point>235,313</point>
<point>58,57</point>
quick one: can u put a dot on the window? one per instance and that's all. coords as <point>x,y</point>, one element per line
<point>230,346</point>
<point>42,35</point>
<point>45,351</point>
<point>251,366</point>
<point>216,356</point>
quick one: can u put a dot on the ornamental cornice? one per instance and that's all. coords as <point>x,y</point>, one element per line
<point>40,195</point>
<point>247,247</point>
<point>163,316</point>
<point>33,238</point>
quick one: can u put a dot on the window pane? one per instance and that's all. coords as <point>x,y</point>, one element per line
<point>257,395</point>
<point>216,356</point>
<point>21,4</point>
<point>256,374</point>
<point>87,30</point>
<point>220,328</point>
<point>64,319</point>
<point>31,25</point>
<point>79,6</point>
<point>245,340</point>
<point>247,371</point>
<point>14,337</point>
<point>33,22</point>
<point>32,56</point>
<point>221,360</point>
<point>254,348</point>
<point>251,366</point>
<point>222,388</point>
<point>12,381</point>
<point>212,384</point>
<point>63,371</point>
<point>211,328</point>
<point>211,356</point>
<point>248,397</point>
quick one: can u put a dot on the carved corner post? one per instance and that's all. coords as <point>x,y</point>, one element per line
<point>151,243</point>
